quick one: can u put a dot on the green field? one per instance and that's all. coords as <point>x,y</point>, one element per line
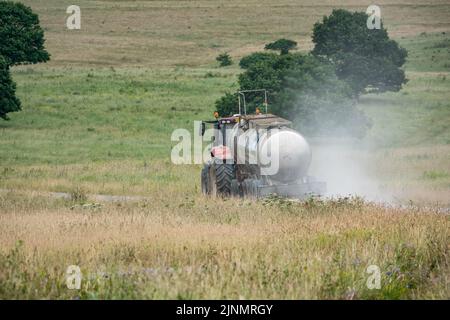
<point>98,118</point>
<point>79,123</point>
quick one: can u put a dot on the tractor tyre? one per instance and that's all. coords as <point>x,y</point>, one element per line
<point>223,175</point>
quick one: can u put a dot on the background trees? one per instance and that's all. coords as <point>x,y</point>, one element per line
<point>8,100</point>
<point>224,60</point>
<point>366,59</point>
<point>303,89</point>
<point>282,45</point>
<point>21,42</point>
<point>317,91</point>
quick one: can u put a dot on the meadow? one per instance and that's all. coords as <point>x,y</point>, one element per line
<point>97,120</point>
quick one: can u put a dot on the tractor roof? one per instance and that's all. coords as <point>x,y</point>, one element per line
<point>266,120</point>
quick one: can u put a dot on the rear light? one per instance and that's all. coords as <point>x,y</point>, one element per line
<point>228,121</point>
<point>221,152</point>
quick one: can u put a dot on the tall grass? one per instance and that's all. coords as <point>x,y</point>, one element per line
<point>192,249</point>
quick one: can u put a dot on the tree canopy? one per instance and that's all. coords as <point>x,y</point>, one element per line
<point>224,59</point>
<point>8,100</point>
<point>21,37</point>
<point>21,42</point>
<point>365,58</point>
<point>282,45</point>
<point>319,91</point>
<point>303,89</point>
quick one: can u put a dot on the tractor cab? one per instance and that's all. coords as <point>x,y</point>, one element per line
<point>245,120</point>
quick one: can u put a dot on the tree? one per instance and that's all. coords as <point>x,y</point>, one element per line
<point>21,42</point>
<point>303,89</point>
<point>227,105</point>
<point>319,103</point>
<point>366,59</point>
<point>256,57</point>
<point>224,60</point>
<point>282,45</point>
<point>8,100</point>
<point>21,37</point>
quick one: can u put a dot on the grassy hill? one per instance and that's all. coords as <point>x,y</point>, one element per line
<point>83,120</point>
<point>193,33</point>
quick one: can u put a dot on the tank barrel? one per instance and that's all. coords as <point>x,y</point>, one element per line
<point>285,148</point>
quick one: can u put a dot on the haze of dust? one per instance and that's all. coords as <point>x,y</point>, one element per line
<point>346,166</point>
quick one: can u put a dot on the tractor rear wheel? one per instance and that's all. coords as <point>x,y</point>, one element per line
<point>221,175</point>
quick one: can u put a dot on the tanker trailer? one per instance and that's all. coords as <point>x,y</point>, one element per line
<point>256,155</point>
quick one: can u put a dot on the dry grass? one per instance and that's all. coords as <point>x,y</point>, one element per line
<point>187,248</point>
<point>418,174</point>
<point>190,33</point>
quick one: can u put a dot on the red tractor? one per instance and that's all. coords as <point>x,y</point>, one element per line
<point>257,155</point>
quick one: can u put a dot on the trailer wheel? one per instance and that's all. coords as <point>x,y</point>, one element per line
<point>235,188</point>
<point>250,188</point>
<point>223,175</point>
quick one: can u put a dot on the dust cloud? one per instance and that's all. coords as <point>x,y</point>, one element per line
<point>346,166</point>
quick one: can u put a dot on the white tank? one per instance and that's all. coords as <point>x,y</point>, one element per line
<point>282,154</point>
